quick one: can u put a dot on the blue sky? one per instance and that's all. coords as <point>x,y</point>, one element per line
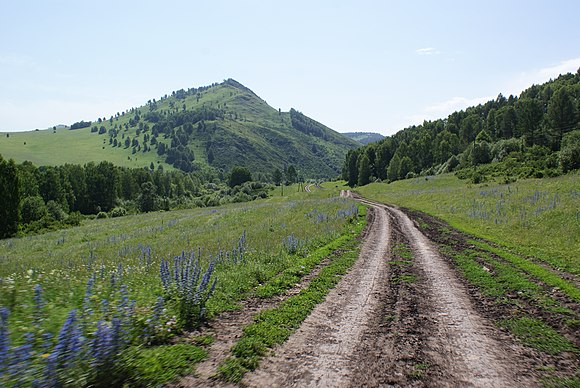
<point>353,65</point>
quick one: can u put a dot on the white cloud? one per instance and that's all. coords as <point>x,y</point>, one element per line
<point>441,110</point>
<point>539,76</point>
<point>46,113</point>
<point>427,51</point>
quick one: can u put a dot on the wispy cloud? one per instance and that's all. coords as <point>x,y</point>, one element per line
<point>539,76</point>
<point>442,109</point>
<point>427,51</point>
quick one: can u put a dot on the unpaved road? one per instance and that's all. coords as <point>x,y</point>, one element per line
<point>395,322</point>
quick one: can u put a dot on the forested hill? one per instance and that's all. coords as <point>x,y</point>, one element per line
<point>220,126</point>
<point>534,134</point>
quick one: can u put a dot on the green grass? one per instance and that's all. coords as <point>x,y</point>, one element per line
<point>160,364</point>
<point>274,326</point>
<point>62,261</point>
<point>78,146</point>
<point>533,217</point>
<point>539,272</point>
<point>535,333</point>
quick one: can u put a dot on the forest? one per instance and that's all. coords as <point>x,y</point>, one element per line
<point>534,135</point>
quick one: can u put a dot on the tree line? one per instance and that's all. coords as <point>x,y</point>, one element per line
<point>53,193</point>
<point>35,198</point>
<point>540,128</point>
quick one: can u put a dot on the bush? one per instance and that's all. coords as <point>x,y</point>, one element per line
<point>102,215</point>
<point>33,209</point>
<point>501,149</point>
<point>55,211</point>
<point>118,212</point>
<point>570,159</point>
<point>74,219</point>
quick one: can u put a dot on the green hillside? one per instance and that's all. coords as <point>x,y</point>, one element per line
<point>221,125</point>
<point>364,137</point>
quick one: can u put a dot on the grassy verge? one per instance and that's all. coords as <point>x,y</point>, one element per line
<point>532,217</point>
<point>539,272</point>
<point>274,326</point>
<point>104,279</point>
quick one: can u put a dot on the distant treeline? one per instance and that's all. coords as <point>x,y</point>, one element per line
<point>49,197</point>
<point>538,131</point>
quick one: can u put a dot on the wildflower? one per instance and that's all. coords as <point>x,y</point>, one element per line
<point>4,338</point>
<point>68,344</point>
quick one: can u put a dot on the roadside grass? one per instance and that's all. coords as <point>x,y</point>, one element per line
<point>546,276</point>
<point>537,334</point>
<point>532,217</point>
<point>275,325</point>
<point>122,256</point>
<point>152,366</point>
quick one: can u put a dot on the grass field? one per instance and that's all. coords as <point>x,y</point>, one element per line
<point>79,146</point>
<point>535,217</point>
<point>108,272</point>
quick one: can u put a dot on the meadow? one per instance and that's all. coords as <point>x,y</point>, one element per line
<point>534,217</point>
<point>73,300</point>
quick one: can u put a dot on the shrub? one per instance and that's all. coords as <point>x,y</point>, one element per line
<point>102,215</point>
<point>33,209</point>
<point>501,149</point>
<point>55,211</point>
<point>118,212</point>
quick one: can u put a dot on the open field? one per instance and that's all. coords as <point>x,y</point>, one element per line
<point>109,270</point>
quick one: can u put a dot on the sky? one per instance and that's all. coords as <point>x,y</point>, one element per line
<point>370,66</point>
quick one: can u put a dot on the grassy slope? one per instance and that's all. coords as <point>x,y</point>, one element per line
<point>537,217</point>
<point>252,133</point>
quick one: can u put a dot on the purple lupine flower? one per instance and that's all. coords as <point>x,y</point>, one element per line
<point>50,378</point>
<point>4,339</point>
<point>68,343</point>
<point>20,359</point>
<point>101,344</point>
<point>165,274</point>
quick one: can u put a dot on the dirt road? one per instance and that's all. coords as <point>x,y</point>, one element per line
<point>395,320</point>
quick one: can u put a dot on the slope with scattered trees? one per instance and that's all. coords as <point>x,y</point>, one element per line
<point>220,126</point>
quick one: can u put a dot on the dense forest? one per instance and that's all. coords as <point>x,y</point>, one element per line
<point>534,135</point>
<point>34,198</point>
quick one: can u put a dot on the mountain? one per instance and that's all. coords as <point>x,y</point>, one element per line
<point>363,137</point>
<point>220,126</point>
